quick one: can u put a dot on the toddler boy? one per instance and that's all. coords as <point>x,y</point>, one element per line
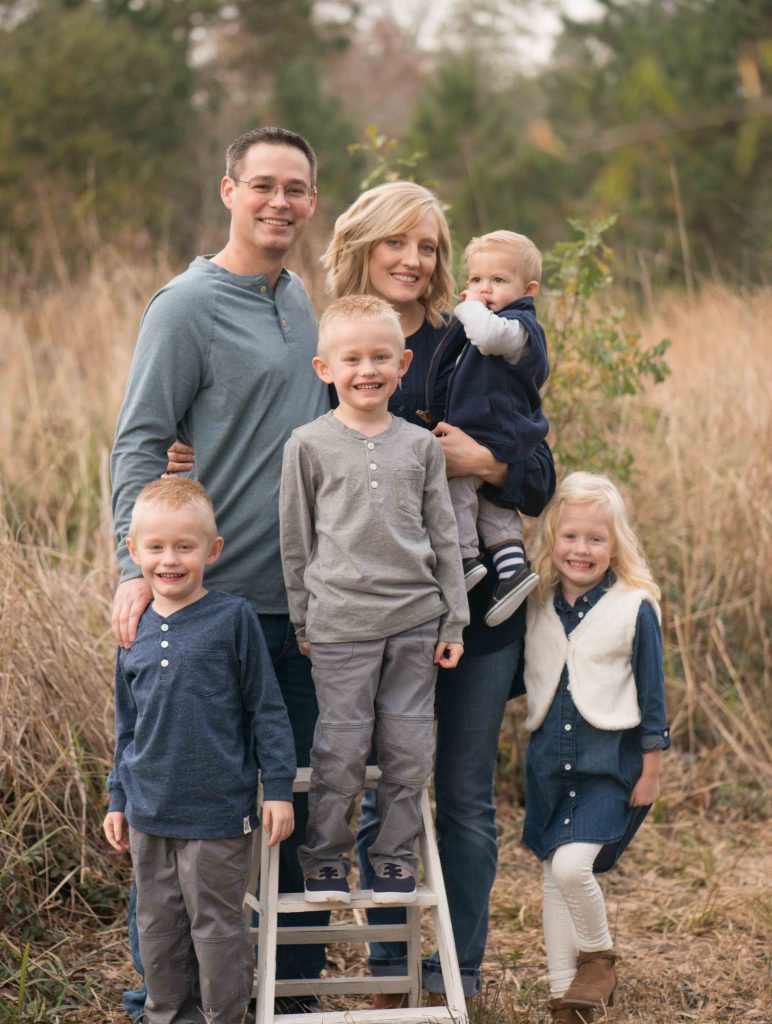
<point>376,596</point>
<point>196,704</point>
<point>493,395</point>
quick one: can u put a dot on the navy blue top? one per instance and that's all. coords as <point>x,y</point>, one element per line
<point>196,703</point>
<point>406,402</point>
<point>579,778</point>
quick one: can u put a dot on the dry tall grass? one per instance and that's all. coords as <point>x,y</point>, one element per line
<point>701,443</point>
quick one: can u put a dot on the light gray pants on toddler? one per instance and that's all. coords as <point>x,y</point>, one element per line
<point>371,689</point>
<point>475,514</point>
<point>192,931</point>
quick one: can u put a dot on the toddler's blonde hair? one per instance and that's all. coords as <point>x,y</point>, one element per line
<point>519,250</point>
<point>376,215</point>
<point>174,493</point>
<point>628,561</point>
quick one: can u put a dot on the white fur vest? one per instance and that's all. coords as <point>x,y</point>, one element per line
<point>598,654</point>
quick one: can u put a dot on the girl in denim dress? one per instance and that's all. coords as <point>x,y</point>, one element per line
<point>596,714</point>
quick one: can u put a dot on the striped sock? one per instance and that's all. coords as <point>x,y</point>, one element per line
<point>508,558</point>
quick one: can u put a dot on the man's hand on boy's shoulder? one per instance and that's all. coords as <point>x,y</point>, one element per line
<point>278,820</point>
<point>117,831</point>
<point>447,655</point>
<point>131,598</point>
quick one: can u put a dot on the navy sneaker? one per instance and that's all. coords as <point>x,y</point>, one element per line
<point>393,883</point>
<point>510,594</point>
<point>327,884</point>
<point>474,571</point>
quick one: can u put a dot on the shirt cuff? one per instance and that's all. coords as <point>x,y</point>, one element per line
<point>117,800</point>
<point>278,789</point>
<point>655,740</point>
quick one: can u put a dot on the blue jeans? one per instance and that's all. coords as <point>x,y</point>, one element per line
<point>294,674</point>
<point>470,709</point>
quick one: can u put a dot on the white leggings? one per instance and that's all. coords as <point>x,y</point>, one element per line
<point>574,911</point>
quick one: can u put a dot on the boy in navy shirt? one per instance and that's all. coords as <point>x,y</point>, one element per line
<point>196,704</point>
<point>493,395</point>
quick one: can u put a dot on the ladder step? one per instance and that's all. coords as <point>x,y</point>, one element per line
<point>406,1015</point>
<point>361,985</point>
<point>326,934</point>
<point>361,899</point>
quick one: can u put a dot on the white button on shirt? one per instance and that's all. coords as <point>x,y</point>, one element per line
<point>165,627</point>
<point>567,767</point>
<point>164,643</point>
<point>164,663</point>
<point>567,727</point>
<point>373,483</point>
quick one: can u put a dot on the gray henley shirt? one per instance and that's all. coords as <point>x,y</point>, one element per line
<point>369,539</point>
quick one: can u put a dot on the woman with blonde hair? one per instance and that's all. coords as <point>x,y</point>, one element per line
<point>394,242</point>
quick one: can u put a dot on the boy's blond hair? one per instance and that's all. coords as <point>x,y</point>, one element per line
<point>520,251</point>
<point>174,493</point>
<point>357,307</point>
<point>376,215</point>
<point>628,562</point>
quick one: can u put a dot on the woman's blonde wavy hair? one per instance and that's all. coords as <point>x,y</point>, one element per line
<point>628,561</point>
<point>381,213</point>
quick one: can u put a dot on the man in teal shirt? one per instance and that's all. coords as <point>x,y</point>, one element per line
<point>223,361</point>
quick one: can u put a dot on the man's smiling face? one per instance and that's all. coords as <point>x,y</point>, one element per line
<point>269,224</point>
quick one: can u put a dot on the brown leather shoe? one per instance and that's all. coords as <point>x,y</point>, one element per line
<point>595,981</point>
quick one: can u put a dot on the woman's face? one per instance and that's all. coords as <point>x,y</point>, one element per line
<point>402,265</point>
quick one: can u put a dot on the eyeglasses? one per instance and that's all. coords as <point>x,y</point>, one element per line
<point>292,193</point>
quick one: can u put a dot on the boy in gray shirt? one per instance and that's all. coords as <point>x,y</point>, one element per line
<point>376,595</point>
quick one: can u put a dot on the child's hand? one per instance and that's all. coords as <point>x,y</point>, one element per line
<point>646,790</point>
<point>447,655</point>
<point>278,820</point>
<point>305,648</point>
<point>463,296</point>
<point>117,831</point>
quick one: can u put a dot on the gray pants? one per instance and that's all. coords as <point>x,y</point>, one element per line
<point>475,514</point>
<point>192,931</point>
<point>371,689</point>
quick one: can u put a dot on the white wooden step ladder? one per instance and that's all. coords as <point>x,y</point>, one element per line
<point>431,895</point>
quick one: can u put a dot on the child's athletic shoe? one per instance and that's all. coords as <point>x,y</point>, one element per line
<point>474,571</point>
<point>510,594</point>
<point>327,884</point>
<point>393,883</point>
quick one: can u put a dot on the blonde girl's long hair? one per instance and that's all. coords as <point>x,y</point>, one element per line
<point>628,561</point>
<point>378,214</point>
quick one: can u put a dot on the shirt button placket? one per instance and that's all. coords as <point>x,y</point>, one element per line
<point>373,472</point>
<point>568,760</point>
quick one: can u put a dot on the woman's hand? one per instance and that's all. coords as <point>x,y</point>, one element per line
<point>181,458</point>
<point>465,457</point>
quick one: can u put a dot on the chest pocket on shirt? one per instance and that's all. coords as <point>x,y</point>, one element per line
<point>210,672</point>
<point>410,491</point>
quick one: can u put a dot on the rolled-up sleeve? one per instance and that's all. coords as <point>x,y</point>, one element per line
<point>649,676</point>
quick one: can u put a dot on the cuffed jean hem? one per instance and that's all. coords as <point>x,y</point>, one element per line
<point>431,978</point>
<point>431,975</point>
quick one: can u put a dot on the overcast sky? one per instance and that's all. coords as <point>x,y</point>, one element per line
<point>542,16</point>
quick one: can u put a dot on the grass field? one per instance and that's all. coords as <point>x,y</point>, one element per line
<point>690,904</point>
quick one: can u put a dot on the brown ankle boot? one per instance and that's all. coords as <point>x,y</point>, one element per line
<point>562,1014</point>
<point>595,981</point>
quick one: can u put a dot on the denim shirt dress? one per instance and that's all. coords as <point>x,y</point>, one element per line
<point>579,778</point>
